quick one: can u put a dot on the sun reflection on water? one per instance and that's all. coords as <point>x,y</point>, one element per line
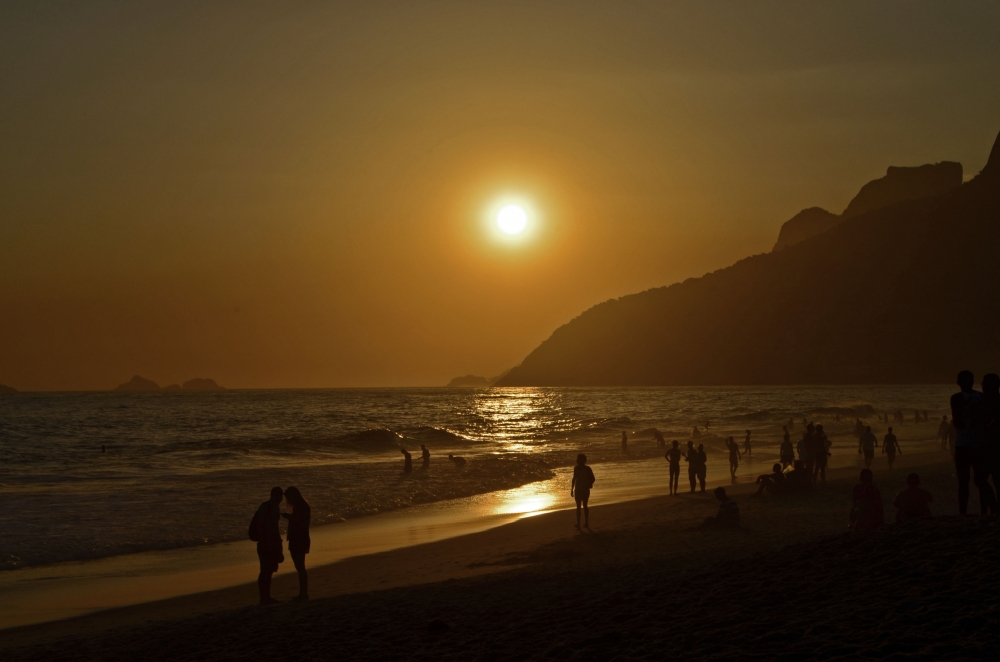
<point>527,500</point>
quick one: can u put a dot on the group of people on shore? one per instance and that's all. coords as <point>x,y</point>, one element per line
<point>425,459</point>
<point>265,531</point>
<point>976,418</point>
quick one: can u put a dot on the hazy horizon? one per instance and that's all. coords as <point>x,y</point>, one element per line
<point>297,197</point>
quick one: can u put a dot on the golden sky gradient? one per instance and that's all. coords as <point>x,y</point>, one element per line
<point>291,194</point>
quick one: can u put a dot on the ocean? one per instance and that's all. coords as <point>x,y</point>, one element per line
<point>188,468</point>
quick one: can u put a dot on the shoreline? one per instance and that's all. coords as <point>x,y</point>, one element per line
<point>449,558</point>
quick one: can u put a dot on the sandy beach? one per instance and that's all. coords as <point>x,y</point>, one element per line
<point>643,585</point>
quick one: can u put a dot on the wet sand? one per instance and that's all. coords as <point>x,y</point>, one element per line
<point>642,585</point>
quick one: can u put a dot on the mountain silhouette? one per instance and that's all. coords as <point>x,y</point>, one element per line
<point>201,384</point>
<point>898,185</point>
<point>7,389</point>
<point>908,293</point>
<point>138,383</point>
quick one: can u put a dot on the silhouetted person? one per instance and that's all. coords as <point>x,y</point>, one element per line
<point>925,417</point>
<point>266,532</point>
<point>298,536</point>
<point>859,428</point>
<point>991,401</point>
<point>729,513</point>
<point>798,480</point>
<point>583,481</point>
<point>787,452</point>
<point>890,446</point>
<point>914,502</point>
<point>407,461</point>
<point>734,457</point>
<point>807,451</point>
<point>866,445</point>
<point>702,467</point>
<point>673,456</point>
<point>772,482</point>
<point>943,432</point>
<point>791,423</point>
<point>425,456</point>
<point>968,412</point>
<point>820,453</point>
<point>747,448</point>
<point>457,459</point>
<point>695,432</point>
<point>624,442</point>
<point>866,510</point>
<point>707,424</point>
<point>660,441</point>
<point>691,457</point>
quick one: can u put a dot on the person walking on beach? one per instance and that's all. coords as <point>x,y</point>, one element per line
<point>943,432</point>
<point>890,446</point>
<point>583,481</point>
<point>691,457</point>
<point>407,461</point>
<point>425,456</point>
<point>265,531</point>
<point>624,442</point>
<point>734,457</point>
<point>968,413</point>
<point>660,441</point>
<point>747,448</point>
<point>673,456</point>
<point>866,445</point>
<point>298,536</point>
<point>702,470</point>
<point>821,454</point>
<point>787,452</point>
<point>914,502</point>
<point>866,509</point>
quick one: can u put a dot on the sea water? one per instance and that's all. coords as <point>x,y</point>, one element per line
<point>185,469</point>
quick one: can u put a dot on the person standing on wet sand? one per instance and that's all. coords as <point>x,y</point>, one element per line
<point>298,536</point>
<point>691,457</point>
<point>734,457</point>
<point>821,454</point>
<point>787,452</point>
<point>943,432</point>
<point>264,528</point>
<point>702,466</point>
<point>624,442</point>
<point>890,446</point>
<point>407,461</point>
<point>673,456</point>
<point>583,481</point>
<point>807,447</point>
<point>866,445</point>
<point>747,448</point>
<point>425,455</point>
<point>968,413</point>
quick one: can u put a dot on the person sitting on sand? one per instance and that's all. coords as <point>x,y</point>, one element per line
<point>866,445</point>
<point>407,461</point>
<point>583,481</point>
<point>890,446</point>
<point>691,457</point>
<point>702,469</point>
<point>747,448</point>
<point>798,480</point>
<point>734,457</point>
<point>729,513</point>
<point>772,482</point>
<point>673,456</point>
<point>624,442</point>
<point>787,452</point>
<point>425,455</point>
<point>298,536</point>
<point>270,548</point>
<point>866,507</point>
<point>914,502</point>
<point>457,459</point>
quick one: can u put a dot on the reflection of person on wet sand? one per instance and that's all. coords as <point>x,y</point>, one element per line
<point>407,461</point>
<point>772,482</point>
<point>425,455</point>
<point>890,446</point>
<point>583,481</point>
<point>691,457</point>
<point>729,513</point>
<point>914,502</point>
<point>457,459</point>
<point>734,457</point>
<point>866,509</point>
<point>866,445</point>
<point>624,442</point>
<point>674,458</point>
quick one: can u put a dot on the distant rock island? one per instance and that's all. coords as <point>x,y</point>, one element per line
<point>138,383</point>
<point>7,389</point>
<point>470,381</point>
<point>898,185</point>
<point>907,292</point>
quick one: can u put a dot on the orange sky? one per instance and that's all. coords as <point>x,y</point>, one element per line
<point>291,194</point>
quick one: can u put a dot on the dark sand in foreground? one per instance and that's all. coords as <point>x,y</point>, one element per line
<point>790,584</point>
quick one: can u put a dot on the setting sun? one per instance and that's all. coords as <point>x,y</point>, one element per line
<point>512,219</point>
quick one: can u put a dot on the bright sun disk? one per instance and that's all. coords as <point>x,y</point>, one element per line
<point>512,219</point>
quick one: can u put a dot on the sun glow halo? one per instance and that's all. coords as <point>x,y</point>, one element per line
<point>512,220</point>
